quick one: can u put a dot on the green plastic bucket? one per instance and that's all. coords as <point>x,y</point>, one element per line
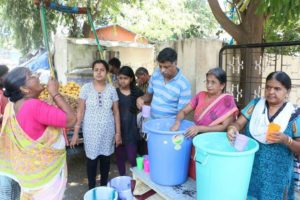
<point>221,171</point>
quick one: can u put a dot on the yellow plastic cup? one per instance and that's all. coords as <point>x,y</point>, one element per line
<point>272,128</point>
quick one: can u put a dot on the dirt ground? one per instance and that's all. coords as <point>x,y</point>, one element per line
<point>297,195</point>
<point>77,178</point>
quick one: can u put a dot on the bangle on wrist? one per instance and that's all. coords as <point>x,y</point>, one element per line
<point>56,95</point>
<point>77,126</point>
<point>290,141</point>
<point>231,127</point>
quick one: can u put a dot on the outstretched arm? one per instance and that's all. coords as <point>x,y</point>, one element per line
<point>180,116</point>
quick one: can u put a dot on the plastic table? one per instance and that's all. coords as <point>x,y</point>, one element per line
<point>185,191</point>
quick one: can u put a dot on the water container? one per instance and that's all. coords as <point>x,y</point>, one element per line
<point>9,189</point>
<point>221,171</point>
<point>123,185</point>
<point>101,193</point>
<point>169,151</point>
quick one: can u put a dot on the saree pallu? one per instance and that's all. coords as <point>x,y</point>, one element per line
<point>215,111</point>
<point>210,113</point>
<point>38,166</point>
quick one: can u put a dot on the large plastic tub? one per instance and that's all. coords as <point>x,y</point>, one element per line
<point>221,171</point>
<point>169,151</point>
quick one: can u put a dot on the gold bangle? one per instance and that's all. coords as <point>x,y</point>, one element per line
<point>290,141</point>
<point>231,127</point>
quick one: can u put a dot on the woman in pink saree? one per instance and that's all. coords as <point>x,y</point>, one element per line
<point>32,146</point>
<point>214,110</point>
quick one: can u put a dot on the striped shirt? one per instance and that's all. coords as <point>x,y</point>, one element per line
<point>168,98</point>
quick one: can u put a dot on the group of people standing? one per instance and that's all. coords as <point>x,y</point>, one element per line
<point>29,141</point>
<point>108,116</point>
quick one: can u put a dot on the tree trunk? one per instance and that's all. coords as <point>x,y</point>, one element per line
<point>86,29</point>
<point>251,78</point>
<point>250,30</point>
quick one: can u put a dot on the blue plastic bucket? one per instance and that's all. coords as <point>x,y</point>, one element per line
<point>123,185</point>
<point>221,171</point>
<point>101,193</point>
<point>169,151</point>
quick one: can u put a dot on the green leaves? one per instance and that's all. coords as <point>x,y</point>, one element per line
<point>22,20</point>
<point>280,11</point>
<point>158,20</point>
<point>161,20</point>
<point>283,22</point>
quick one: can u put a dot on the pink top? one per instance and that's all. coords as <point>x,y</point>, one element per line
<point>35,115</point>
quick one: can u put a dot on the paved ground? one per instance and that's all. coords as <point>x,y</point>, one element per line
<point>77,178</point>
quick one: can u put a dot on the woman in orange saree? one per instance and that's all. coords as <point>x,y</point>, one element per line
<point>214,110</point>
<point>32,146</point>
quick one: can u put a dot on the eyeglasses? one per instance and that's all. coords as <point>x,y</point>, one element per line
<point>210,82</point>
<point>100,99</point>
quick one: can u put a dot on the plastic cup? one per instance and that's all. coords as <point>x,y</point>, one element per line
<point>139,163</point>
<point>146,111</point>
<point>44,76</point>
<point>272,128</point>
<point>240,142</point>
<point>146,166</point>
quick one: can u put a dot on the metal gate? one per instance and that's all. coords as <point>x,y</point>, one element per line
<point>247,67</point>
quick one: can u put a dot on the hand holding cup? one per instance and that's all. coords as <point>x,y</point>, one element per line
<point>272,132</point>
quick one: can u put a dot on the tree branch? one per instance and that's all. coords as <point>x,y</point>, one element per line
<point>96,8</point>
<point>235,2</point>
<point>251,10</point>
<point>238,13</point>
<point>252,19</point>
<point>234,30</point>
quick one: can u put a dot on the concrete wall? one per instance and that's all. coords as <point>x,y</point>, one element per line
<point>195,58</point>
<point>136,57</point>
<point>80,56</point>
<point>70,56</point>
<point>60,56</point>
